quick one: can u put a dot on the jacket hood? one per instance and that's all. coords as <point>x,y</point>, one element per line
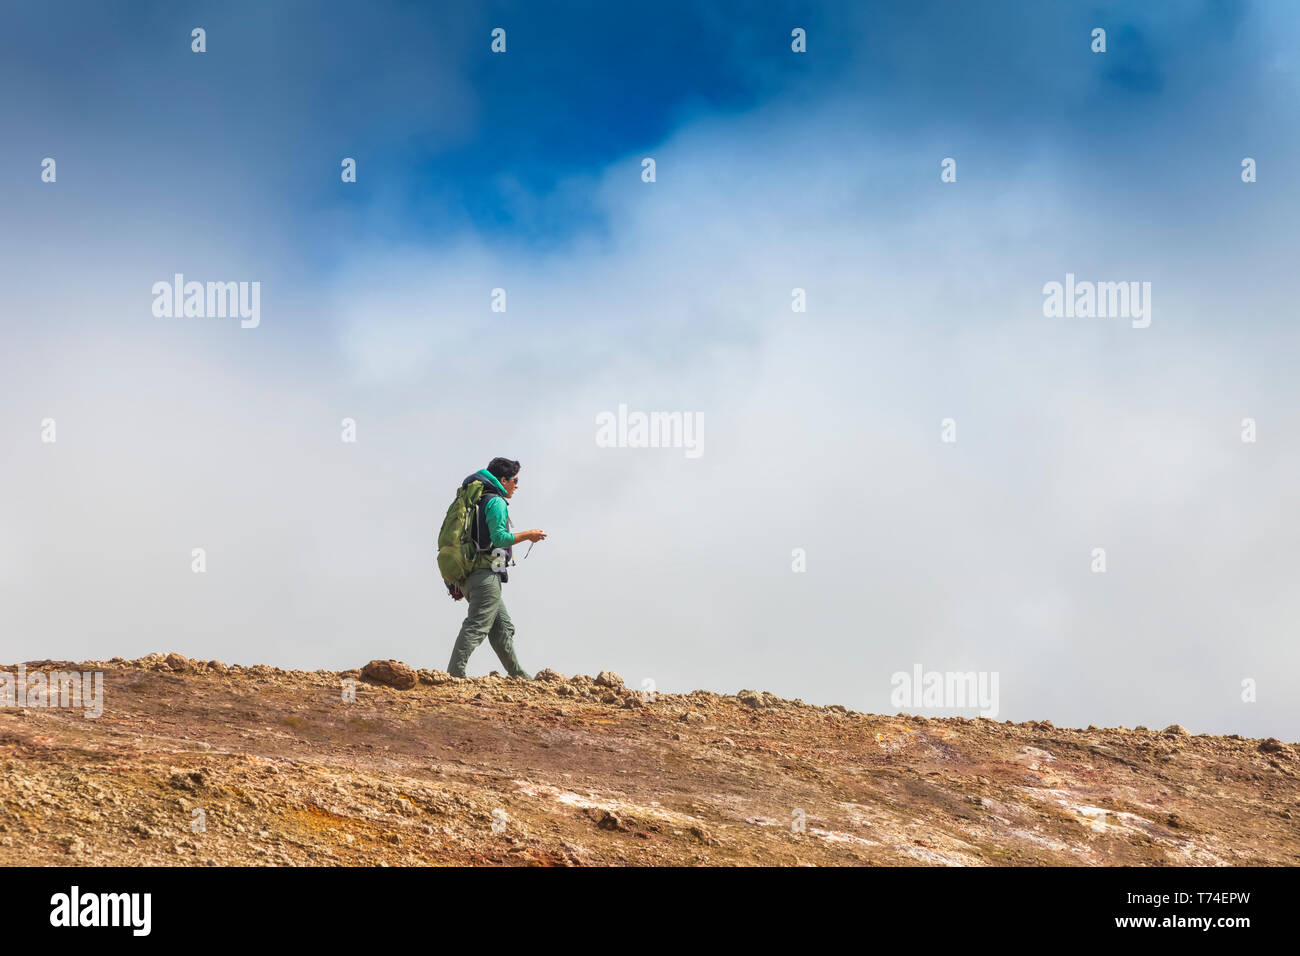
<point>488,479</point>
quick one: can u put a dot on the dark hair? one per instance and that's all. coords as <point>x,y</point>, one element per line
<point>503,467</point>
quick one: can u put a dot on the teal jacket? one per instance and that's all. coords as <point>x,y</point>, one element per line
<point>498,522</point>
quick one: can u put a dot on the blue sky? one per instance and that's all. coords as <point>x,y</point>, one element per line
<point>451,137</point>
<point>775,170</point>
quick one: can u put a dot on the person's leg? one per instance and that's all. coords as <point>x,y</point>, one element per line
<point>483,594</point>
<point>502,638</point>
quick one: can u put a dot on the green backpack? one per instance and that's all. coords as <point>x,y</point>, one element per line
<point>457,553</point>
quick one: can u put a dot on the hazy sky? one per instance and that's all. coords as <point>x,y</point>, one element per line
<point>775,170</point>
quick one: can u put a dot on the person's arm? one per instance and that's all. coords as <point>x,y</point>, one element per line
<point>498,526</point>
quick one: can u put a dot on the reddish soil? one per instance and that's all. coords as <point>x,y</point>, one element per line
<point>569,772</point>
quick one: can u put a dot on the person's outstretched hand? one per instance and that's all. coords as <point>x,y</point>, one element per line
<point>535,534</point>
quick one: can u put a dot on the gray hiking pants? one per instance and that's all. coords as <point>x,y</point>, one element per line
<point>486,617</point>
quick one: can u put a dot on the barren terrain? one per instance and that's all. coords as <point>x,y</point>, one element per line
<point>582,771</point>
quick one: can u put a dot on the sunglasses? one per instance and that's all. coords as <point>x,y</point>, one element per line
<point>514,480</point>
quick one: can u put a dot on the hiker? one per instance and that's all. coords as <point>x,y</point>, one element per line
<point>493,552</point>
